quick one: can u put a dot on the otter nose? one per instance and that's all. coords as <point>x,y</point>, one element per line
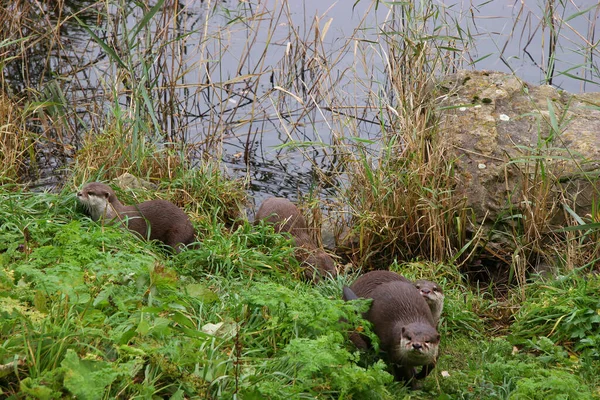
<point>79,194</point>
<point>425,291</point>
<point>417,346</point>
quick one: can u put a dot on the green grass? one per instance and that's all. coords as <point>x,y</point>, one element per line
<point>94,312</point>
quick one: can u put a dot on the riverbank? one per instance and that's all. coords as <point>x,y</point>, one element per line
<point>92,311</point>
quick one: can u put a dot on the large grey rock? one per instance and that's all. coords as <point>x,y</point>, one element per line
<point>499,128</point>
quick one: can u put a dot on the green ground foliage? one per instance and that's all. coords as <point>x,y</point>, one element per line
<point>92,312</point>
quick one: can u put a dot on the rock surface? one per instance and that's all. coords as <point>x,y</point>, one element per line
<point>128,180</point>
<point>505,133</point>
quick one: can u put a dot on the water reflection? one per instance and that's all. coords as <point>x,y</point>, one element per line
<point>541,42</point>
<point>38,41</point>
<point>271,85</point>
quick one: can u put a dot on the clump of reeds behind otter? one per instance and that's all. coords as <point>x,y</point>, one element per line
<point>401,191</point>
<point>16,141</point>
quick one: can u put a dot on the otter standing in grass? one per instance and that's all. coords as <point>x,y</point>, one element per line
<point>404,325</point>
<point>433,295</point>
<point>431,291</point>
<point>286,217</point>
<point>154,220</point>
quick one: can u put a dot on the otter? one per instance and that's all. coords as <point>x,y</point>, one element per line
<point>433,295</point>
<point>167,222</point>
<point>404,325</point>
<point>431,292</point>
<point>286,217</point>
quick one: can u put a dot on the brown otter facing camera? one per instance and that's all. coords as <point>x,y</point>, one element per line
<point>286,217</point>
<point>404,325</point>
<point>167,222</point>
<point>433,295</point>
<point>431,291</point>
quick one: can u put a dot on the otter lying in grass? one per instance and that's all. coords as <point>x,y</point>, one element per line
<point>153,220</point>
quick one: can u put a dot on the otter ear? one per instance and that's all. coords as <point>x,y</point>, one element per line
<point>348,294</point>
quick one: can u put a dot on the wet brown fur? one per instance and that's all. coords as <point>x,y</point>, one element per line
<point>431,292</point>
<point>404,325</point>
<point>168,223</point>
<point>286,217</point>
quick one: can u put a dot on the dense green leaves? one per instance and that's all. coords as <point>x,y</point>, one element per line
<point>91,311</point>
<point>87,379</point>
<point>566,310</point>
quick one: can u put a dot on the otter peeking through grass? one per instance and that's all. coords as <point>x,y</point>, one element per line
<point>431,291</point>
<point>404,325</point>
<point>286,217</point>
<point>153,220</point>
<point>433,295</point>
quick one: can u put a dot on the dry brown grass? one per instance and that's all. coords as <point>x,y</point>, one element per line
<point>116,151</point>
<point>402,200</point>
<point>15,140</point>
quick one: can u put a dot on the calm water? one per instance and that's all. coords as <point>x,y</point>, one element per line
<point>509,37</point>
<point>511,33</point>
<point>246,72</point>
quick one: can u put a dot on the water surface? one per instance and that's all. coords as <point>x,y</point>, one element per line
<point>251,81</point>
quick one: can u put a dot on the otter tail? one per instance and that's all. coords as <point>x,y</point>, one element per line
<point>348,294</point>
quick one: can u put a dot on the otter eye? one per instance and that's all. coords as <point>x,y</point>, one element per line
<point>91,194</point>
<point>418,286</point>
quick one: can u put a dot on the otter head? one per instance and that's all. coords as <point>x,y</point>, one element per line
<point>416,344</point>
<point>99,199</point>
<point>433,295</point>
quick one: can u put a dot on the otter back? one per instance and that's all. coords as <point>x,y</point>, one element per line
<point>159,220</point>
<point>366,283</point>
<point>154,220</point>
<point>404,325</point>
<point>431,292</point>
<point>286,217</point>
